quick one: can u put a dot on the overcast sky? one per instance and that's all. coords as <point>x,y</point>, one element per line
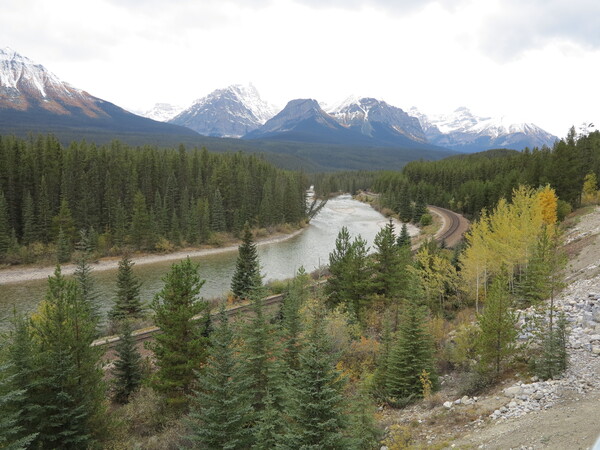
<point>531,60</point>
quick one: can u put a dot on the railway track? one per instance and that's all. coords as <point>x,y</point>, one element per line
<point>452,230</point>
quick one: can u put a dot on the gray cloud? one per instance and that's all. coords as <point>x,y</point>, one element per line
<point>524,25</point>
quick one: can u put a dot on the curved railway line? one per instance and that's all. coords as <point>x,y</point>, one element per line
<point>454,225</point>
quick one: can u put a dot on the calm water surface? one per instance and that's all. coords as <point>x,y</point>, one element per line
<point>279,260</point>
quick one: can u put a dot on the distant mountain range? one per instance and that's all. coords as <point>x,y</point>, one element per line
<point>32,99</point>
<point>359,133</point>
<point>238,111</point>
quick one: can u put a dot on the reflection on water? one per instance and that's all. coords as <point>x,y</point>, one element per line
<point>279,260</point>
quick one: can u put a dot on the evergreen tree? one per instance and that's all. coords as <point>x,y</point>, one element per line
<point>246,278</point>
<point>292,321</point>
<point>404,239</point>
<point>553,358</point>
<point>66,391</point>
<point>127,370</point>
<point>63,247</point>
<point>405,210</point>
<point>141,228</point>
<point>221,409</point>
<point>29,235</point>
<point>497,342</point>
<point>380,377</point>
<point>85,281</point>
<point>364,433</point>
<point>5,233</point>
<point>411,354</point>
<point>262,357</point>
<point>217,217</point>
<point>316,409</point>
<point>420,208</point>
<point>181,347</point>
<point>388,264</point>
<point>350,275</point>
<point>127,302</point>
<point>11,433</point>
<point>269,426</point>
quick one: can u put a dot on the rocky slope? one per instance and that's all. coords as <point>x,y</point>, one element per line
<point>526,413</point>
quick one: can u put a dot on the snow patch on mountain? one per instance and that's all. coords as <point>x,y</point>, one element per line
<point>462,130</point>
<point>162,112</point>
<point>230,112</point>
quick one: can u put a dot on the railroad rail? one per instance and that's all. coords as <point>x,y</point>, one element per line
<point>452,224</point>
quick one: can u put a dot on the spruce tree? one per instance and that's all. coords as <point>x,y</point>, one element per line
<point>221,409</point>
<point>5,232</point>
<point>497,342</point>
<point>411,354</point>
<point>292,321</point>
<point>66,391</point>
<point>405,210</point>
<point>127,303</point>
<point>246,278</point>
<point>181,347</point>
<point>388,264</point>
<point>29,235</point>
<point>63,247</point>
<point>261,352</point>
<point>217,212</point>
<point>12,435</point>
<point>404,240</point>
<point>269,426</point>
<point>127,369</point>
<point>85,281</point>
<point>317,404</point>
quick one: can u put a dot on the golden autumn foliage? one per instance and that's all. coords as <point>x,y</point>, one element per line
<point>505,237</point>
<point>590,193</point>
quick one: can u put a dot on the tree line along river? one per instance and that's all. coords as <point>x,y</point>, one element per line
<point>279,260</point>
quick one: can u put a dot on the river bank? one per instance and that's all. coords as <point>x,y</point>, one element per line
<point>23,274</point>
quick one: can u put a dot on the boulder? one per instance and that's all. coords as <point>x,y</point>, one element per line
<point>512,391</point>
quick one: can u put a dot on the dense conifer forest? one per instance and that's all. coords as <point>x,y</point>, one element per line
<point>140,198</point>
<point>470,183</point>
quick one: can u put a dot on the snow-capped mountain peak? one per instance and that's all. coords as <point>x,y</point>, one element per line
<point>25,84</point>
<point>229,112</point>
<point>161,112</point>
<point>371,116</point>
<point>464,131</point>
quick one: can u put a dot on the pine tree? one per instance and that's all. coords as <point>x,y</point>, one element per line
<point>411,354</point>
<point>388,269</point>
<point>127,302</point>
<point>181,347</point>
<point>5,232</point>
<point>65,380</point>
<point>350,279</point>
<point>127,370</point>
<point>85,281</point>
<point>246,278</point>
<point>269,426</point>
<point>217,216</point>
<point>404,239</point>
<point>221,409</point>
<point>292,321</point>
<point>11,433</point>
<point>63,247</point>
<point>316,409</point>
<point>262,357</point>
<point>420,208</point>
<point>364,432</point>
<point>405,210</point>
<point>497,342</point>
<point>380,377</point>
<point>29,235</point>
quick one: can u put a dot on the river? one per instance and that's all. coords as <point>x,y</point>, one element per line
<point>279,260</point>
